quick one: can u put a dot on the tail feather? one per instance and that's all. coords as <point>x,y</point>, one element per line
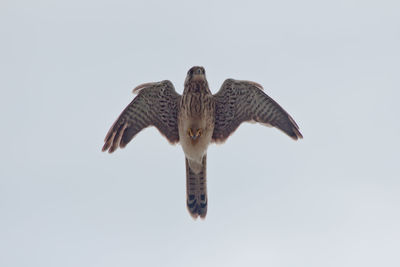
<point>196,190</point>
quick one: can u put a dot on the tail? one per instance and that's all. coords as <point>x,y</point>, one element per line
<point>196,190</point>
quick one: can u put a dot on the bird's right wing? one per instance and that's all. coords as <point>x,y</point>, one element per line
<point>156,104</point>
<point>239,101</point>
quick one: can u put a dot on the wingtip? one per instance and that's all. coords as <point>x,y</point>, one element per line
<point>296,134</point>
<point>295,128</point>
<point>105,147</point>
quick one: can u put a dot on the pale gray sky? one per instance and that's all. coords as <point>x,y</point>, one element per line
<point>331,199</point>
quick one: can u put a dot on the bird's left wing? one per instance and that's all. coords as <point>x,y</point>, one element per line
<point>156,104</point>
<point>240,101</point>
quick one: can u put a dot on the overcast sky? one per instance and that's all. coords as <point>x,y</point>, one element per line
<point>67,71</point>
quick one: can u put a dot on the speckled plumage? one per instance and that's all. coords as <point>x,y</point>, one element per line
<point>196,119</point>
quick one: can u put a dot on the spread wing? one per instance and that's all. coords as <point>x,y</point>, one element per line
<point>156,104</point>
<point>239,101</point>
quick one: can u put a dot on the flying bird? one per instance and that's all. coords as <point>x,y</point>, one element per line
<point>195,119</point>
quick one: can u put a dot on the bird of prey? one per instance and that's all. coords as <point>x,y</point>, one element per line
<point>195,119</point>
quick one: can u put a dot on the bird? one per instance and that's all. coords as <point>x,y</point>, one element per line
<point>196,119</point>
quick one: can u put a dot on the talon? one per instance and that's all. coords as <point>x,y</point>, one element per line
<point>190,133</point>
<point>194,137</point>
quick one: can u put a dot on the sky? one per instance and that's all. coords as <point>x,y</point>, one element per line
<point>67,71</point>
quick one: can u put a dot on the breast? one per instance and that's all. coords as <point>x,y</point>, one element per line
<point>196,112</point>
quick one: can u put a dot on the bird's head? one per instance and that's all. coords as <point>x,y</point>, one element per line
<point>196,73</point>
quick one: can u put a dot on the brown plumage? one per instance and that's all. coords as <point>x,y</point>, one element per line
<point>196,119</point>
